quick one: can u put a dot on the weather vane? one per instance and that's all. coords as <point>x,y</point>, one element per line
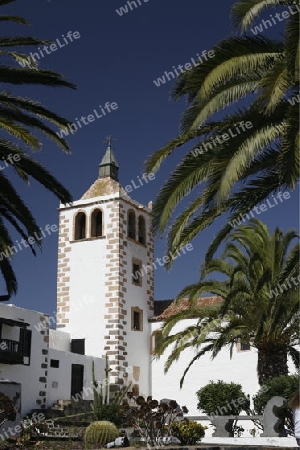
<point>109,139</point>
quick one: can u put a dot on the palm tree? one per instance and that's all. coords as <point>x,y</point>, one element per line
<point>21,119</point>
<point>260,302</point>
<point>233,174</point>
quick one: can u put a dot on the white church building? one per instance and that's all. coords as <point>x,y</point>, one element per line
<point>105,306</point>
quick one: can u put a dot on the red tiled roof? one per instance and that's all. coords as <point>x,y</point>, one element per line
<point>182,305</point>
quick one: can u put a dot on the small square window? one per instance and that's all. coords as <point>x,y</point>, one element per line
<point>245,347</point>
<point>54,363</point>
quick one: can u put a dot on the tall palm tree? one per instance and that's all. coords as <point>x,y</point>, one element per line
<point>260,302</point>
<point>21,121</point>
<point>234,174</point>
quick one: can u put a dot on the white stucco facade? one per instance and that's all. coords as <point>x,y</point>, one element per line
<point>99,301</point>
<point>241,369</point>
<point>31,377</point>
<point>41,384</point>
<point>104,309</point>
<point>59,379</point>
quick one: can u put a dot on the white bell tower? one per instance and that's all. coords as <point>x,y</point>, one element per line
<point>104,289</point>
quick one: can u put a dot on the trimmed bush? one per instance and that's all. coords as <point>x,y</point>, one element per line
<point>100,433</point>
<point>284,386</point>
<point>188,431</point>
<point>222,399</point>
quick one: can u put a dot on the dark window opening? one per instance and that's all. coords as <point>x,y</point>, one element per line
<point>54,363</point>
<point>136,274</point>
<point>97,224</point>
<point>142,230</point>
<point>25,342</point>
<point>136,320</point>
<point>78,346</point>
<point>80,226</point>
<point>245,347</point>
<point>131,225</point>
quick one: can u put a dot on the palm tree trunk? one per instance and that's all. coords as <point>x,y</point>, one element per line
<point>272,362</point>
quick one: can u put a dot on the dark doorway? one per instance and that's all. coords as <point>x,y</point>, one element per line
<point>76,379</point>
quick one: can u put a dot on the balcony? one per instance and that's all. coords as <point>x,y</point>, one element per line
<point>10,352</point>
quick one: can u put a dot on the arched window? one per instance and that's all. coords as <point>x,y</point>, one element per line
<point>80,226</point>
<point>96,223</point>
<point>142,230</point>
<point>131,225</point>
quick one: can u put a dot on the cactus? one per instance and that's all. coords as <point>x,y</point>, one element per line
<point>100,433</point>
<point>99,398</point>
<point>98,395</point>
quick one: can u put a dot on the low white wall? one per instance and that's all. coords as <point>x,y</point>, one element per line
<point>59,379</point>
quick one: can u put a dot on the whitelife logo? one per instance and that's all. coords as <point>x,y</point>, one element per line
<point>294,100</point>
<point>25,243</point>
<point>257,210</point>
<point>205,55</point>
<point>10,160</point>
<point>220,139</point>
<point>279,17</point>
<point>86,120</point>
<point>48,49</point>
<point>124,9</point>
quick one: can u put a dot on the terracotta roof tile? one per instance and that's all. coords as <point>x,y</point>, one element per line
<point>174,307</point>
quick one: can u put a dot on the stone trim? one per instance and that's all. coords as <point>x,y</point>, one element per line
<point>119,198</point>
<point>88,239</point>
<point>63,272</point>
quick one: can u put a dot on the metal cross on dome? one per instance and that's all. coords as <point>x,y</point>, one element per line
<point>109,139</point>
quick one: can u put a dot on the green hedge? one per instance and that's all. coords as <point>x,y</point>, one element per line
<point>222,399</point>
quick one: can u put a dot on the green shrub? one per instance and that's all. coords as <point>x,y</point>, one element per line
<point>188,432</point>
<point>284,386</point>
<point>222,399</point>
<point>100,433</point>
<point>112,413</point>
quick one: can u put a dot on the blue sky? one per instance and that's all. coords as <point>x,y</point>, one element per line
<point>116,59</point>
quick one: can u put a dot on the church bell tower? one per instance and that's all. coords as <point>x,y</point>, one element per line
<point>104,289</point>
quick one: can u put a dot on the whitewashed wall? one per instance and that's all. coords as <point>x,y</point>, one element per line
<point>87,264</point>
<point>59,379</point>
<point>138,342</point>
<point>29,376</point>
<point>89,289</point>
<point>240,369</point>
